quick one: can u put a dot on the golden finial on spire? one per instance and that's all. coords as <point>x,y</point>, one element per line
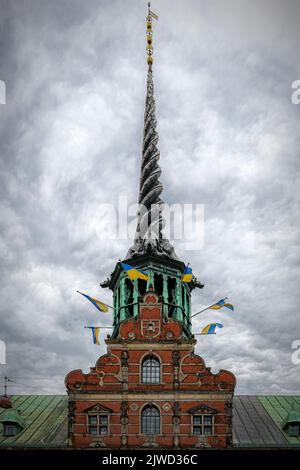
<point>149,35</point>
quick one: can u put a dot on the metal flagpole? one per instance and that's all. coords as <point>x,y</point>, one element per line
<point>203,334</point>
<point>103,327</point>
<point>197,313</point>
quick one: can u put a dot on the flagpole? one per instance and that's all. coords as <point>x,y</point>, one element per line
<point>197,313</point>
<point>103,327</point>
<point>203,334</point>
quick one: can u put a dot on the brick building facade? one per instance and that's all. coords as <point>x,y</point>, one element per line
<point>150,390</point>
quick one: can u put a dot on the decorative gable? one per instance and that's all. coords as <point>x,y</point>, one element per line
<point>98,408</point>
<point>202,409</point>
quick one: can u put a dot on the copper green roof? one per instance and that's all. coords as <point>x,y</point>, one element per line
<point>45,421</point>
<point>257,421</point>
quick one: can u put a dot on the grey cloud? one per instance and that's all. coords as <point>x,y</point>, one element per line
<point>71,136</point>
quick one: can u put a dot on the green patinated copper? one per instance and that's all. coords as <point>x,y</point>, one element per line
<point>165,279</point>
<point>43,421</point>
<point>279,408</point>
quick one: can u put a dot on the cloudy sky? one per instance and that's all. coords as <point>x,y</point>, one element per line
<point>70,141</point>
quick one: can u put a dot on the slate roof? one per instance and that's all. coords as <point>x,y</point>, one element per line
<point>257,421</point>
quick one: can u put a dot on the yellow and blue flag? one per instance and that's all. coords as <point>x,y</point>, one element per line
<point>134,273</point>
<point>222,303</point>
<point>210,329</point>
<point>187,274</point>
<point>95,333</point>
<point>97,303</point>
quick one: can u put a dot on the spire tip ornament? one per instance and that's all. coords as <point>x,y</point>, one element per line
<point>149,34</point>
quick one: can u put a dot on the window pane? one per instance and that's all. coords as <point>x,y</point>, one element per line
<point>92,419</point>
<point>150,420</point>
<point>93,430</point>
<point>103,430</point>
<point>294,429</point>
<point>103,420</point>
<point>207,429</point>
<point>197,419</point>
<point>197,430</point>
<point>207,419</point>
<point>151,370</point>
<point>10,430</point>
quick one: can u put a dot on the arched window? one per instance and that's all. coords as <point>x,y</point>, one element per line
<point>151,370</point>
<point>150,420</point>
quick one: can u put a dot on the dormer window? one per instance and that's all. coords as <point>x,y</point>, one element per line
<point>13,423</point>
<point>291,424</point>
<point>294,429</point>
<point>11,429</point>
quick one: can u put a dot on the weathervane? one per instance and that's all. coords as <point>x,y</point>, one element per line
<point>149,36</point>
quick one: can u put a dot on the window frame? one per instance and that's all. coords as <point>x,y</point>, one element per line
<point>295,426</point>
<point>144,409</point>
<point>10,425</point>
<point>202,425</point>
<point>98,425</point>
<point>150,372</point>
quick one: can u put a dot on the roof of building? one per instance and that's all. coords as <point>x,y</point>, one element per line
<point>46,421</point>
<point>257,421</point>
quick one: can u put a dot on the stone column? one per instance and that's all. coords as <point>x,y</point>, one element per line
<point>124,368</point>
<point>124,424</point>
<point>228,408</point>
<point>122,299</point>
<point>135,298</point>
<point>176,424</point>
<point>71,421</point>
<point>178,297</point>
<point>165,294</point>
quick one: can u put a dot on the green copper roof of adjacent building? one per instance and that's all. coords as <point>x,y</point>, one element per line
<point>45,419</point>
<point>258,421</point>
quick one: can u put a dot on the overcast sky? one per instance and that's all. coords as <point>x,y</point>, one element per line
<point>71,135</point>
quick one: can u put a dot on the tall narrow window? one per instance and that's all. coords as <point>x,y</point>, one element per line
<point>129,297</point>
<point>151,370</point>
<point>158,283</point>
<point>171,296</point>
<point>150,420</point>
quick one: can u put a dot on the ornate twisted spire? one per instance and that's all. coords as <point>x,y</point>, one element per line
<point>148,237</point>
